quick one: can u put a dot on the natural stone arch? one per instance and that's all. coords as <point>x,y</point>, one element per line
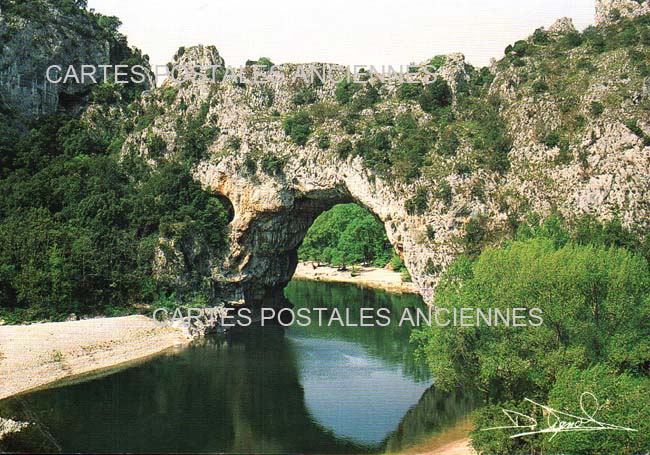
<point>278,183</point>
<point>271,221</point>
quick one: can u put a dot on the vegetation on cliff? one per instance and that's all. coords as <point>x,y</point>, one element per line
<point>79,222</point>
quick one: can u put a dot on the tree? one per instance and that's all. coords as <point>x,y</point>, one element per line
<point>346,234</point>
<point>595,307</point>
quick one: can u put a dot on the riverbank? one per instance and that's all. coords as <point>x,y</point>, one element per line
<point>35,355</point>
<point>371,277</point>
<point>453,441</point>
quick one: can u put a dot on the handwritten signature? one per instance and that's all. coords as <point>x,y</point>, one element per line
<point>557,421</point>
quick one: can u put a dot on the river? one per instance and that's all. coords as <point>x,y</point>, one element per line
<point>301,389</point>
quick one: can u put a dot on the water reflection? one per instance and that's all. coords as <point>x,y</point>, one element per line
<point>326,390</point>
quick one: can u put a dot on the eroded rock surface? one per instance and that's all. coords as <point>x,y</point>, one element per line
<point>599,166</point>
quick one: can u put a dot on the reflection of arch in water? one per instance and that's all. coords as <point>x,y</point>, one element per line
<point>390,343</point>
<point>270,410</point>
<point>357,396</point>
<point>240,395</point>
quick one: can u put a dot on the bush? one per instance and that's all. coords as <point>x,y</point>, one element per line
<point>475,235</point>
<point>419,203</point>
<point>540,86</point>
<point>540,36</point>
<point>435,95</point>
<point>264,62</point>
<point>409,91</point>
<point>571,40</point>
<point>323,141</point>
<point>344,148</point>
<point>633,126</point>
<point>345,91</point>
<point>298,127</point>
<point>448,143</point>
<point>365,99</point>
<point>444,193</point>
<point>272,164</point>
<point>552,139</point>
<point>520,48</point>
<point>155,145</point>
<point>233,143</point>
<point>304,96</point>
<point>596,108</point>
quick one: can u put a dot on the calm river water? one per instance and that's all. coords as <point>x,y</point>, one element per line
<point>302,389</point>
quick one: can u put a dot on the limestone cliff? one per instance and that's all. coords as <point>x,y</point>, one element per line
<point>554,125</point>
<point>608,11</point>
<point>35,34</point>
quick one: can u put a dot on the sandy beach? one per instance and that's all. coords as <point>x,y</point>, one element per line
<point>453,441</point>
<point>372,277</point>
<point>35,355</point>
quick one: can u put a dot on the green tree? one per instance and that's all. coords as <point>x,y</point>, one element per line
<point>346,234</point>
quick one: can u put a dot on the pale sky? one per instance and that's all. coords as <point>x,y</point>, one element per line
<point>361,32</point>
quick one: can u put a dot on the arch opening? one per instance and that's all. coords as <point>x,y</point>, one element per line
<point>347,236</point>
<point>325,228</point>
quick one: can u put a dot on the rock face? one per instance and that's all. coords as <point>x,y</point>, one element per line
<point>36,34</point>
<point>608,11</point>
<point>277,187</point>
<point>562,25</point>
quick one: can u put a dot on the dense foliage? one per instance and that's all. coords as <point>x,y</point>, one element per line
<point>80,219</point>
<point>77,231</point>
<point>595,300</point>
<point>344,235</point>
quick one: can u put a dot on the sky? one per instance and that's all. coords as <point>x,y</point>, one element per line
<point>349,32</point>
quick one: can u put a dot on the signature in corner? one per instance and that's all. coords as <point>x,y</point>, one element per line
<point>557,421</point>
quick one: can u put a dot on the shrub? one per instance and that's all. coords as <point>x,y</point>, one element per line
<point>444,193</point>
<point>419,203</point>
<point>397,263</point>
<point>633,126</point>
<point>540,36</point>
<point>571,40</point>
<point>520,48</point>
<point>169,94</point>
<point>344,148</point>
<point>155,145</point>
<point>448,143</point>
<point>596,108</point>
<point>593,37</point>
<point>345,91</point>
<point>323,141</point>
<point>540,86</point>
<point>365,98</point>
<point>264,62</point>
<point>435,95</point>
<point>233,143</point>
<point>409,91</point>
<point>272,164</point>
<point>552,139</point>
<point>305,96</point>
<point>475,234</point>
<point>298,127</point>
